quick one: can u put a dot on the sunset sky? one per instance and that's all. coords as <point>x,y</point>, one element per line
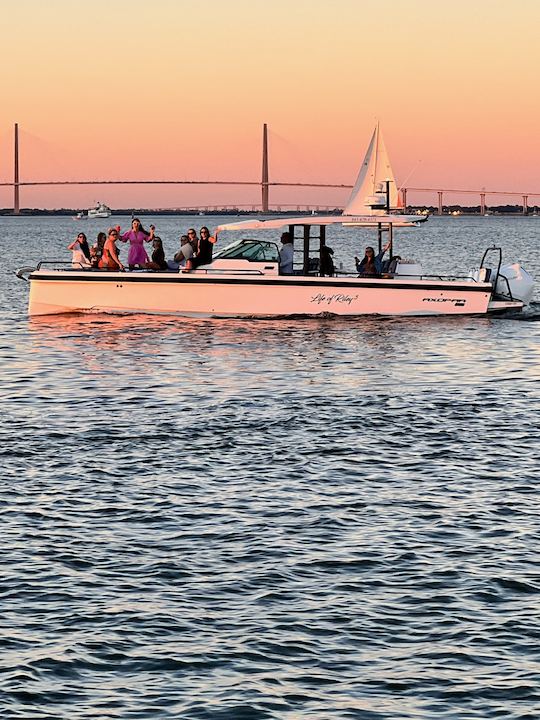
<point>180,89</point>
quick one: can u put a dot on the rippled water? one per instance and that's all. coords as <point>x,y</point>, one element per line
<point>316,518</point>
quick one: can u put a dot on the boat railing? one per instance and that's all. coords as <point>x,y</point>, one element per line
<point>62,263</point>
<point>70,265</point>
<point>66,265</point>
<point>443,278</point>
<point>505,279</point>
<point>498,252</point>
<point>225,271</point>
<point>400,276</point>
<point>24,272</point>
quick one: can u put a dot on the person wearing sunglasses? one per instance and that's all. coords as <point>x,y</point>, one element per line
<point>205,248</point>
<point>81,252</point>
<point>193,239</point>
<point>137,236</point>
<point>371,264</point>
<point>184,253</point>
<point>109,259</point>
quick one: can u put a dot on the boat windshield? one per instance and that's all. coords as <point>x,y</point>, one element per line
<point>252,250</point>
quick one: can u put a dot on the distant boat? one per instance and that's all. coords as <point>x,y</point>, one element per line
<point>100,211</point>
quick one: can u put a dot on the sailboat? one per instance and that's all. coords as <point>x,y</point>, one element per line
<point>245,280</point>
<point>375,191</point>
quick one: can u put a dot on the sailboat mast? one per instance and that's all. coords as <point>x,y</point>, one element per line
<point>376,168</point>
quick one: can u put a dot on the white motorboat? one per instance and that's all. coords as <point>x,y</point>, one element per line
<point>244,279</point>
<point>99,211</point>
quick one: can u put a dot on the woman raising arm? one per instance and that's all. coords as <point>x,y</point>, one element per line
<point>137,236</point>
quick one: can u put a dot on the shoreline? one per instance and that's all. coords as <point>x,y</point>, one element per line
<point>66,212</point>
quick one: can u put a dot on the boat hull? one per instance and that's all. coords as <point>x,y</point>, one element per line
<point>201,294</point>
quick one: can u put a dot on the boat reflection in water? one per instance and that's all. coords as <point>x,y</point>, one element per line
<point>233,352</point>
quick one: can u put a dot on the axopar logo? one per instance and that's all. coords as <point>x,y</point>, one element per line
<point>458,302</point>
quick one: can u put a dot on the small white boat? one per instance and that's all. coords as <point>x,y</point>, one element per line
<point>100,211</point>
<point>244,279</point>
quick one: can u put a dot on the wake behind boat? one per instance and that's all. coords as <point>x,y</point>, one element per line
<point>244,279</point>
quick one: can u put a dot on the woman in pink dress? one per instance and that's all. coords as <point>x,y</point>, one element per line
<point>137,236</point>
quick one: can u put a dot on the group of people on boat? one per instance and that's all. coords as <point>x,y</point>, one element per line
<point>197,249</point>
<point>104,254</point>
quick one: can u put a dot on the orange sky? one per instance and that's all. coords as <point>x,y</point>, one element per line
<point>181,88</point>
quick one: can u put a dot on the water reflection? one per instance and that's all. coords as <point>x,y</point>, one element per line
<point>340,511</point>
<point>343,354</point>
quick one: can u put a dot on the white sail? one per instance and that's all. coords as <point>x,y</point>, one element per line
<point>369,192</point>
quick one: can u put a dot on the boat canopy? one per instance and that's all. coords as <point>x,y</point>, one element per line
<point>347,220</point>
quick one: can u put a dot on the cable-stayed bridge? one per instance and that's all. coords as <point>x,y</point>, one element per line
<point>264,184</point>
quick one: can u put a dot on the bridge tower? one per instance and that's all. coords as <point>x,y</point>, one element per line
<point>16,207</point>
<point>482,203</point>
<point>440,208</point>
<point>264,181</point>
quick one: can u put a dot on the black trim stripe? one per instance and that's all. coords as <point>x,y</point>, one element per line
<point>261,281</point>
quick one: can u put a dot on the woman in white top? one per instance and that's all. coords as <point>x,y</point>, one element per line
<point>81,252</point>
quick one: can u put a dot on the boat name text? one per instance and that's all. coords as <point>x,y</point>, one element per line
<point>332,299</point>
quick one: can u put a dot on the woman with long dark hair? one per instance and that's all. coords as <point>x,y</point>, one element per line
<point>371,264</point>
<point>158,261</point>
<point>137,236</point>
<point>81,252</point>
<point>205,250</point>
<point>96,251</point>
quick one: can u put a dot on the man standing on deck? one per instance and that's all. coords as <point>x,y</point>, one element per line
<point>286,255</point>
